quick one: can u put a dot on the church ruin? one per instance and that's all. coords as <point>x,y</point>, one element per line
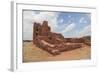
<point>53,43</point>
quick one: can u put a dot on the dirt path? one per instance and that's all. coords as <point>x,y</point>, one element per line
<point>31,53</point>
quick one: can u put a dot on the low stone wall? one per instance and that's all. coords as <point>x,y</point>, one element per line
<point>79,40</point>
<point>75,40</point>
<point>47,47</point>
<point>58,48</point>
<point>67,47</point>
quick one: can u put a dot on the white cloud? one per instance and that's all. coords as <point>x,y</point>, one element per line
<point>29,17</point>
<point>85,32</point>
<point>69,16</point>
<point>69,28</point>
<point>51,17</point>
<point>61,20</point>
<point>82,20</point>
<point>27,25</point>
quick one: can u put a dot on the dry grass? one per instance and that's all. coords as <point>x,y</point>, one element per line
<point>31,53</point>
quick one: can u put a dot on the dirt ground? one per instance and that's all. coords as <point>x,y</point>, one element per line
<point>31,53</point>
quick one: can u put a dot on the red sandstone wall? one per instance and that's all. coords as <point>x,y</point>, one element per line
<point>42,32</point>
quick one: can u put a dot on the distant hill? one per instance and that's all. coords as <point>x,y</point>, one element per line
<point>87,37</point>
<point>27,40</point>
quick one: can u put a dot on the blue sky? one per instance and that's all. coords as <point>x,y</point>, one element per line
<point>80,20</point>
<point>69,24</point>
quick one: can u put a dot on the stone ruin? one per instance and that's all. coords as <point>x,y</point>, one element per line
<point>52,42</point>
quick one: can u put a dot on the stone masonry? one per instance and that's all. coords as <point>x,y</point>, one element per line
<point>52,42</point>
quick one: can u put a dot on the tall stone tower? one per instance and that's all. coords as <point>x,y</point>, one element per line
<point>45,30</point>
<point>36,30</point>
<point>40,30</point>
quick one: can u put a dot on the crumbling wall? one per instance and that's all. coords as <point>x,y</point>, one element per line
<point>51,42</point>
<point>75,40</point>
